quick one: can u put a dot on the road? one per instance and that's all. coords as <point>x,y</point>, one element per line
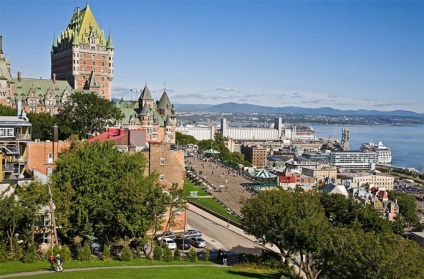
<point>218,236</point>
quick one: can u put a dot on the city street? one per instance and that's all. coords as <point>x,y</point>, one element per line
<point>218,236</point>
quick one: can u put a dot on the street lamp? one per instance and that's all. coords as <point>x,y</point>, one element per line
<point>228,216</point>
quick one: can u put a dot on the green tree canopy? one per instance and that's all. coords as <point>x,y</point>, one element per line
<point>182,139</point>
<point>42,125</point>
<point>358,254</point>
<point>99,190</point>
<point>7,111</point>
<point>294,222</point>
<point>19,207</point>
<point>86,113</point>
<point>407,206</point>
<point>313,228</point>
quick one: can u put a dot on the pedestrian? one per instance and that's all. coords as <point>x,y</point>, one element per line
<point>51,261</point>
<point>226,180</point>
<point>59,263</point>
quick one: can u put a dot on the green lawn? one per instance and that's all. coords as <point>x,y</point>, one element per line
<point>17,266</point>
<point>165,273</point>
<point>215,206</point>
<point>190,186</point>
<point>136,269</point>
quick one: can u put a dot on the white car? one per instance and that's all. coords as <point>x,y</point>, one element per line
<point>169,242</point>
<point>198,242</point>
<point>192,233</point>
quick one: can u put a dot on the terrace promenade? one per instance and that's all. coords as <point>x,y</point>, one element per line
<point>223,183</point>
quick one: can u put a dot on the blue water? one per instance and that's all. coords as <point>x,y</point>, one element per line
<point>405,142</point>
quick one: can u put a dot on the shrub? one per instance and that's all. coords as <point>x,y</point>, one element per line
<point>30,253</point>
<point>192,255</point>
<point>177,255</point>
<point>56,250</point>
<point>157,253</point>
<point>3,252</point>
<point>126,254</point>
<point>84,253</point>
<point>18,252</point>
<point>49,253</point>
<point>138,253</point>
<point>207,254</point>
<point>66,253</point>
<point>106,253</point>
<point>167,254</point>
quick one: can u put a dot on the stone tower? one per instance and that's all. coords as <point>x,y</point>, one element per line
<point>83,55</point>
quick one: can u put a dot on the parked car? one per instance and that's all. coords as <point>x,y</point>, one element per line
<point>168,242</point>
<point>94,243</point>
<point>198,242</point>
<point>183,243</point>
<point>167,234</point>
<point>192,233</point>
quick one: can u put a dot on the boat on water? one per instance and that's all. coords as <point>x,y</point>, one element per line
<point>384,154</point>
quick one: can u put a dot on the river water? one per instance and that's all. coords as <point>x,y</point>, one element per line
<point>405,142</point>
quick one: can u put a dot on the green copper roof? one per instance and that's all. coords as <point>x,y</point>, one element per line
<point>109,42</point>
<point>165,104</point>
<point>40,87</point>
<point>145,95</point>
<point>75,41</point>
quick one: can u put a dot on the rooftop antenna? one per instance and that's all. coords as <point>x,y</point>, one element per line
<point>164,87</point>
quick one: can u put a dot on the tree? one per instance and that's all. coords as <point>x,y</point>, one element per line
<point>101,191</point>
<point>19,207</point>
<point>42,125</point>
<point>294,222</point>
<point>357,254</point>
<point>407,206</point>
<point>182,139</point>
<point>86,113</point>
<point>176,202</point>
<point>7,111</point>
<point>342,212</point>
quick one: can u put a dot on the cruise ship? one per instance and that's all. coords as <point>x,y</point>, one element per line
<point>383,152</point>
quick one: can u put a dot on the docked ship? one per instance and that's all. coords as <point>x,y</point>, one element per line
<point>383,152</point>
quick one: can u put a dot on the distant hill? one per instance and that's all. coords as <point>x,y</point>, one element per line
<point>249,108</point>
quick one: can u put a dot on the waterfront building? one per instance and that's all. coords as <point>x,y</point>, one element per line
<point>83,56</point>
<point>321,173</point>
<point>353,160</point>
<point>360,179</point>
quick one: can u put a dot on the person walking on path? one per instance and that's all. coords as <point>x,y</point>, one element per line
<point>59,263</point>
<point>51,261</point>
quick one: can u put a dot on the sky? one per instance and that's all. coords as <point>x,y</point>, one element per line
<point>346,55</point>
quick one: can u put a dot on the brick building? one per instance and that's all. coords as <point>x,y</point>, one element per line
<point>254,154</point>
<point>83,56</point>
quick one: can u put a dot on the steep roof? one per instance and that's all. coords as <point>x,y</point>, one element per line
<point>165,105</point>
<point>40,87</point>
<point>82,29</point>
<point>145,94</point>
<point>92,81</point>
<point>109,42</point>
<point>4,72</point>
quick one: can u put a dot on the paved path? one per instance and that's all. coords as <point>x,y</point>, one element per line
<point>32,273</point>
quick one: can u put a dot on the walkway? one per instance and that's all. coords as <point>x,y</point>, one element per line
<point>215,174</point>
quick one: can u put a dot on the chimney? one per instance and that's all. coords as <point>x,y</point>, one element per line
<point>19,76</point>
<point>19,107</point>
<point>54,78</point>
<point>1,44</point>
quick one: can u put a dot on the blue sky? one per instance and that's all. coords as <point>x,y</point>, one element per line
<point>340,54</point>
